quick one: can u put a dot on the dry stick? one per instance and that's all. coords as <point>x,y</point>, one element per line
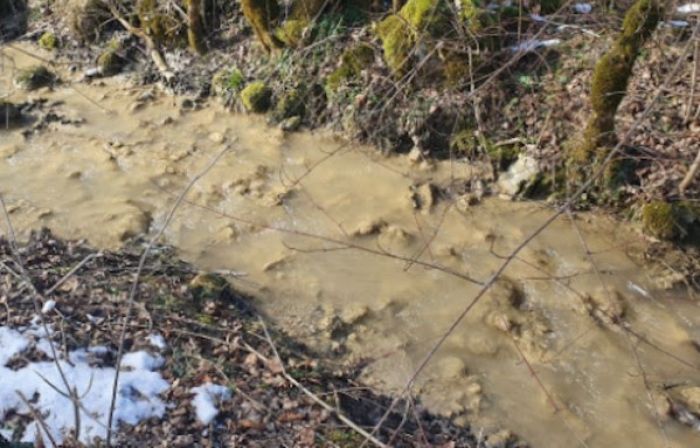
<point>38,417</point>
<point>561,210</point>
<point>133,293</point>
<point>609,299</point>
<point>307,392</point>
<point>690,175</point>
<point>70,273</point>
<point>153,49</point>
<point>27,280</point>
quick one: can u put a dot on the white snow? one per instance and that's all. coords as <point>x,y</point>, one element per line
<point>677,23</point>
<point>689,8</point>
<point>48,306</point>
<point>142,361</point>
<point>158,341</point>
<point>534,44</point>
<point>583,8</point>
<point>137,397</point>
<point>206,398</point>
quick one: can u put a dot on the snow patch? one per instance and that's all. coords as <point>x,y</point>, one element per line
<point>137,394</point>
<point>534,44</point>
<point>142,360</point>
<point>158,341</point>
<point>206,398</point>
<point>583,8</point>
<point>48,306</point>
<point>689,8</point>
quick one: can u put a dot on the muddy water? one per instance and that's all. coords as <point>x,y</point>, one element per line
<point>341,247</point>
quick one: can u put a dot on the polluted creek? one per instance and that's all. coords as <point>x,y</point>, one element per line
<point>576,338</point>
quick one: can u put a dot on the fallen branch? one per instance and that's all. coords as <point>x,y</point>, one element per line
<point>278,360</point>
<point>153,47</point>
<point>690,175</point>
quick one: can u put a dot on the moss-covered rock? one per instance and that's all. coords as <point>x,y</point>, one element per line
<point>35,77</point>
<point>290,105</point>
<point>257,97</point>
<point>352,62</point>
<point>400,32</point>
<point>48,41</point>
<point>110,62</point>
<point>670,221</point>
<point>263,16</point>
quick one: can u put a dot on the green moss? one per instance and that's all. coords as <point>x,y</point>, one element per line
<point>110,62</point>
<point>290,105</point>
<point>263,16</point>
<point>306,9</point>
<point>464,143</point>
<point>35,77</point>
<point>670,221</point>
<point>292,31</point>
<point>397,42</point>
<point>48,41</point>
<point>229,80</point>
<point>256,97</point>
<point>344,438</point>
<point>399,32</point>
<point>352,62</point>
<point>658,220</point>
<point>608,87</point>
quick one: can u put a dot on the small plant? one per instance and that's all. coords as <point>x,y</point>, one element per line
<point>48,41</point>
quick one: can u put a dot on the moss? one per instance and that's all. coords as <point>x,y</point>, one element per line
<point>263,16</point>
<point>307,9</point>
<point>228,80</point>
<point>291,32</point>
<point>110,62</point>
<point>658,220</point>
<point>352,62</point>
<point>609,84</point>
<point>256,97</point>
<point>399,32</point>
<point>195,29</point>
<point>670,221</point>
<point>290,105</point>
<point>464,143</point>
<point>48,41</point>
<point>397,42</point>
<point>35,77</point>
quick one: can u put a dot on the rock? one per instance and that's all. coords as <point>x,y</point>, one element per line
<point>518,175</point>
<point>216,137</point>
<point>35,77</point>
<point>353,314</point>
<point>257,97</point>
<point>291,124</point>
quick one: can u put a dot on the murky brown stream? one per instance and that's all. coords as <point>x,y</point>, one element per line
<point>117,173</point>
